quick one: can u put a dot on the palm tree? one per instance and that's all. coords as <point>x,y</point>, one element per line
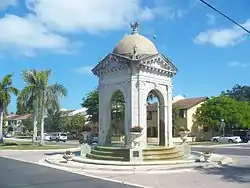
<point>41,96</point>
<point>6,89</point>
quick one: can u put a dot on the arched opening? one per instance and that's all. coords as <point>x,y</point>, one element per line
<point>117,127</point>
<point>155,118</point>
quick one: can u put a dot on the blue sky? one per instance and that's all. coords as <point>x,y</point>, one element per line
<point>70,37</point>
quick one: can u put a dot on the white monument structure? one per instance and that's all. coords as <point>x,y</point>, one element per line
<point>136,68</point>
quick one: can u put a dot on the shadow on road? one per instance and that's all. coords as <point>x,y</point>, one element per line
<point>230,173</point>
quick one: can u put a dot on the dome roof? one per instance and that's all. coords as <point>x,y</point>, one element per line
<point>135,43</point>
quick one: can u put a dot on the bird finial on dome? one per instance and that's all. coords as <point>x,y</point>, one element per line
<point>134,26</point>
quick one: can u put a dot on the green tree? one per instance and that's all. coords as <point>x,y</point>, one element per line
<point>91,102</point>
<point>76,124</point>
<point>39,96</point>
<point>73,124</point>
<point>239,93</point>
<point>177,121</point>
<point>6,89</point>
<point>53,121</point>
<point>234,113</point>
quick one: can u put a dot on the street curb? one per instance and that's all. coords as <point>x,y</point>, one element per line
<point>48,150</point>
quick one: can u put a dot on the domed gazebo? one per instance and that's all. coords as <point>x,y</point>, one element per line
<point>136,68</point>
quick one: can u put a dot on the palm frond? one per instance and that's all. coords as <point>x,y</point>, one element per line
<point>54,92</point>
<point>13,90</point>
<point>29,76</point>
<point>7,81</point>
<point>58,89</point>
<point>6,89</point>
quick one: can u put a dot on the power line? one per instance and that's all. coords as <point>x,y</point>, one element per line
<point>227,17</point>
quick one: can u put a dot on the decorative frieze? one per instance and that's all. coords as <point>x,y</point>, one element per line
<point>157,64</point>
<point>110,64</point>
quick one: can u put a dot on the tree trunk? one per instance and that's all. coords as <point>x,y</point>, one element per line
<point>42,117</point>
<point>34,126</point>
<point>1,125</point>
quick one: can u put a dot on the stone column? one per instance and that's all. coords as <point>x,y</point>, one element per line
<point>128,111</point>
<point>142,108</point>
<point>158,123</point>
<point>104,115</point>
<point>169,117</point>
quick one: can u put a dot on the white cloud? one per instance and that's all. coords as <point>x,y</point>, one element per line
<point>27,35</point>
<point>211,19</point>
<point>238,64</point>
<point>5,3</point>
<point>84,70</point>
<point>48,23</point>
<point>223,37</point>
<point>91,16</point>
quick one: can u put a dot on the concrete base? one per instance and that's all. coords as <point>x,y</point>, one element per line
<point>85,149</point>
<point>133,163</point>
<point>100,166</point>
<point>131,168</point>
<point>135,155</point>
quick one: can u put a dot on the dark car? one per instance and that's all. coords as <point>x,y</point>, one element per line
<point>93,139</point>
<point>243,134</point>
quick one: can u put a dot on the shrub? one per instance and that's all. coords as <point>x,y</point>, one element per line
<point>182,128</point>
<point>68,152</point>
<point>136,129</point>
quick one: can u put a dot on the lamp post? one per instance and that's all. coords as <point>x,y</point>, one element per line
<point>223,125</point>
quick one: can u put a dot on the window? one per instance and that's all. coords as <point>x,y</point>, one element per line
<point>182,113</point>
<point>149,115</point>
<point>205,129</point>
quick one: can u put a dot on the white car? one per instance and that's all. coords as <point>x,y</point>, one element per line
<point>227,138</point>
<point>46,137</point>
<point>59,137</point>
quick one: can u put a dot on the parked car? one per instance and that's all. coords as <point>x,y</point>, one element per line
<point>46,137</point>
<point>243,134</point>
<point>227,138</point>
<point>7,135</point>
<point>93,139</point>
<point>59,137</point>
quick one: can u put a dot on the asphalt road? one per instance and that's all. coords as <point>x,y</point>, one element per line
<point>230,150</point>
<point>16,174</point>
<point>68,143</point>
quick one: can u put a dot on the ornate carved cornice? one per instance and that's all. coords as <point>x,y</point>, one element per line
<point>158,64</point>
<point>164,65</point>
<point>110,64</point>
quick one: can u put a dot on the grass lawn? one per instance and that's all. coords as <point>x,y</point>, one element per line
<point>23,145</point>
